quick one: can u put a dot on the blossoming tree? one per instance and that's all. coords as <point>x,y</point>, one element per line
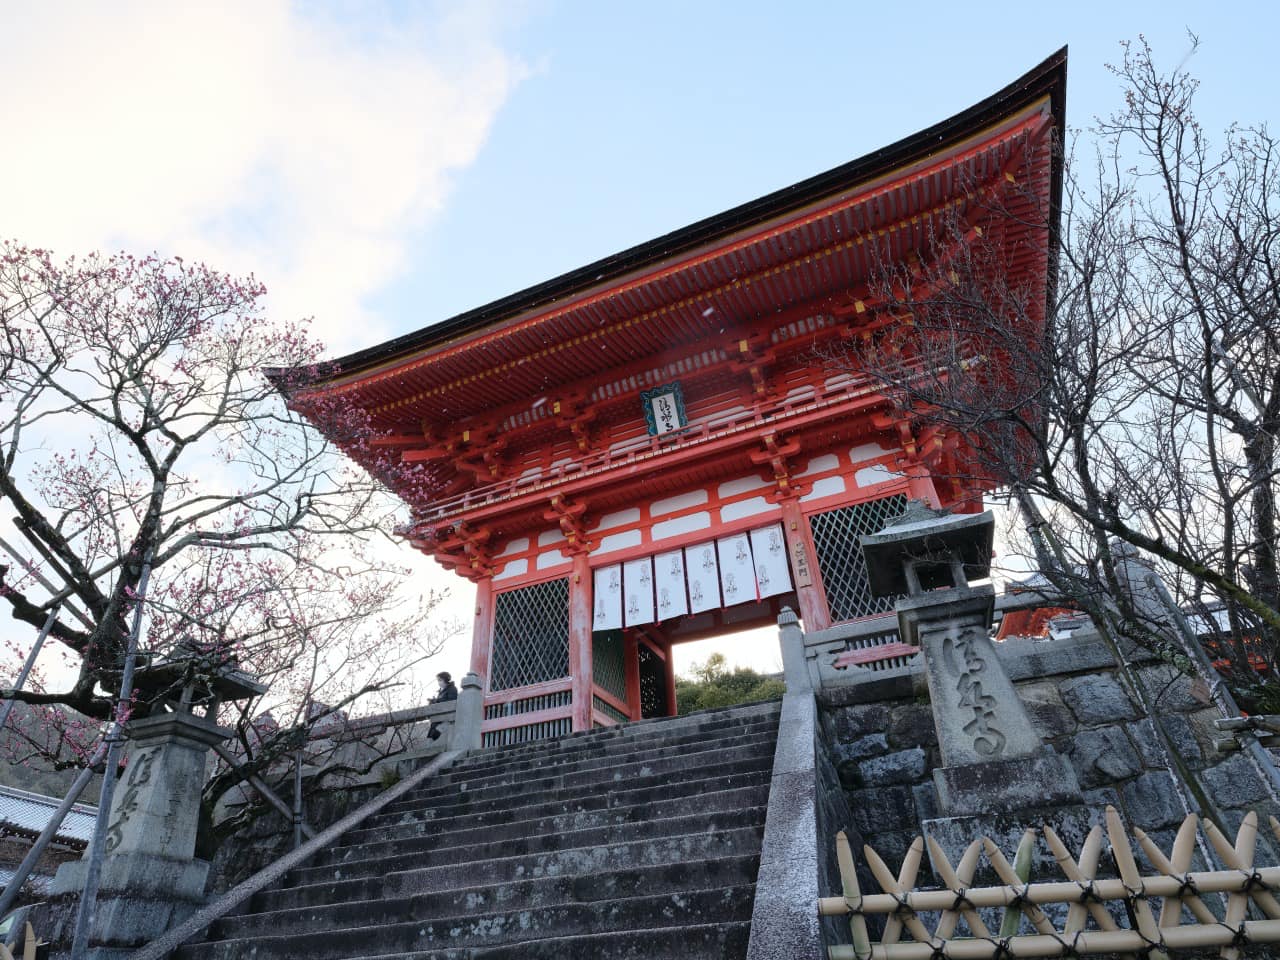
<point>138,432</point>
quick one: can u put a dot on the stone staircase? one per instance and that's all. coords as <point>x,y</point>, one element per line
<point>637,841</point>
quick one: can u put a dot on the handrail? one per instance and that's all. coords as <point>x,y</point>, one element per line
<point>172,939</point>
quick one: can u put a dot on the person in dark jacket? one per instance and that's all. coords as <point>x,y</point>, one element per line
<point>446,691</point>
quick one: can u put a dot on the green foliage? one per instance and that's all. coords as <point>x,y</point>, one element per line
<point>712,684</point>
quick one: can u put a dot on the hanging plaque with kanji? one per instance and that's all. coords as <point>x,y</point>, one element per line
<point>663,409</point>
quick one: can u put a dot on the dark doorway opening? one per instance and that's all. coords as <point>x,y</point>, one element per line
<point>653,684</point>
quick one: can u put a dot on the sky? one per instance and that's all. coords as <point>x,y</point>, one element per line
<point>385,166</point>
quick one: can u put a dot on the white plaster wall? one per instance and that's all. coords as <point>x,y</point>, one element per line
<point>513,569</point>
<point>617,541</point>
<point>682,501</point>
<point>731,488</point>
<point>519,545</point>
<point>828,461</point>
<point>621,518</point>
<point>551,559</point>
<point>746,508</point>
<point>678,525</point>
<point>824,487</point>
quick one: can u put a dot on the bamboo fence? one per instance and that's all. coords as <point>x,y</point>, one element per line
<point>29,946</point>
<point>1086,896</point>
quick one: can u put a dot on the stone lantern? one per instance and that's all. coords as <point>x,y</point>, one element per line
<point>150,877</point>
<point>993,760</point>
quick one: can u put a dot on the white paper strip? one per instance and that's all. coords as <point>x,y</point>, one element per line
<point>737,572</point>
<point>637,582</point>
<point>703,575</point>
<point>668,577</point>
<point>607,598</point>
<point>769,550</point>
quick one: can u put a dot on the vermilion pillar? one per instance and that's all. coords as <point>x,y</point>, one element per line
<point>482,631</point>
<point>804,567</point>
<point>580,640</point>
<point>920,485</point>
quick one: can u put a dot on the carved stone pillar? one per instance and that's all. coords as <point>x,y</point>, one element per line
<point>150,877</point>
<point>993,760</point>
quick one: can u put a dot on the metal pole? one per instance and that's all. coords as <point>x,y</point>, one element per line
<point>1050,556</point>
<point>1263,762</point>
<point>26,667</point>
<point>89,896</point>
<point>297,799</point>
<point>260,785</point>
<point>49,832</point>
<point>44,582</point>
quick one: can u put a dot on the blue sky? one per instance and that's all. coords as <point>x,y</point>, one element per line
<point>386,166</point>
<point>637,119</point>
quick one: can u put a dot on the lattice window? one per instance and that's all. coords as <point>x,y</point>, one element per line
<point>609,710</point>
<point>844,571</point>
<point>547,730</point>
<point>608,662</point>
<point>653,684</point>
<point>530,635</point>
<point>545,701</point>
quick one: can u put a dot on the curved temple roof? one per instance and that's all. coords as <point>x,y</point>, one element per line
<point>1048,79</point>
<point>802,251</point>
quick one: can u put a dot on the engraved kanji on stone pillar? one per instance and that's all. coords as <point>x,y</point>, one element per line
<point>992,757</point>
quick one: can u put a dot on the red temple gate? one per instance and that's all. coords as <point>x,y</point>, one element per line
<point>650,449</point>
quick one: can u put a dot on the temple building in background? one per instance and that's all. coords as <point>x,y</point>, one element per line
<point>651,449</point>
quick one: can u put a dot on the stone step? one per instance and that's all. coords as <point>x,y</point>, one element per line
<point>499,810</point>
<point>520,895</point>
<point>636,841</point>
<point>611,752</point>
<point>747,774</point>
<point>476,828</point>
<point>703,763</point>
<point>577,861</point>
<point>708,722</point>
<point>727,904</point>
<point>707,941</point>
<point>520,758</point>
<point>402,854</point>
<point>595,773</point>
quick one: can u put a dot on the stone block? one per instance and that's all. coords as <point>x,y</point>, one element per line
<point>1026,659</point>
<point>1169,689</point>
<point>892,846</point>
<point>1179,730</point>
<point>911,725</point>
<point>1202,726</point>
<point>849,723</point>
<point>1103,756</point>
<point>902,766</point>
<point>1042,780</point>
<point>1102,798</point>
<point>1234,782</point>
<point>883,808</point>
<point>783,921</point>
<point>954,834</point>
<point>1049,715</point>
<point>1097,699</point>
<point>138,875</point>
<point>1151,801</point>
<point>926,799</point>
<point>863,748</point>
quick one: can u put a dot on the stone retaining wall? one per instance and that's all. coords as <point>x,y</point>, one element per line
<point>883,744</point>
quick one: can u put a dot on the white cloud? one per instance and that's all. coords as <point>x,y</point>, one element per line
<point>301,148</point>
<point>259,137</point>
